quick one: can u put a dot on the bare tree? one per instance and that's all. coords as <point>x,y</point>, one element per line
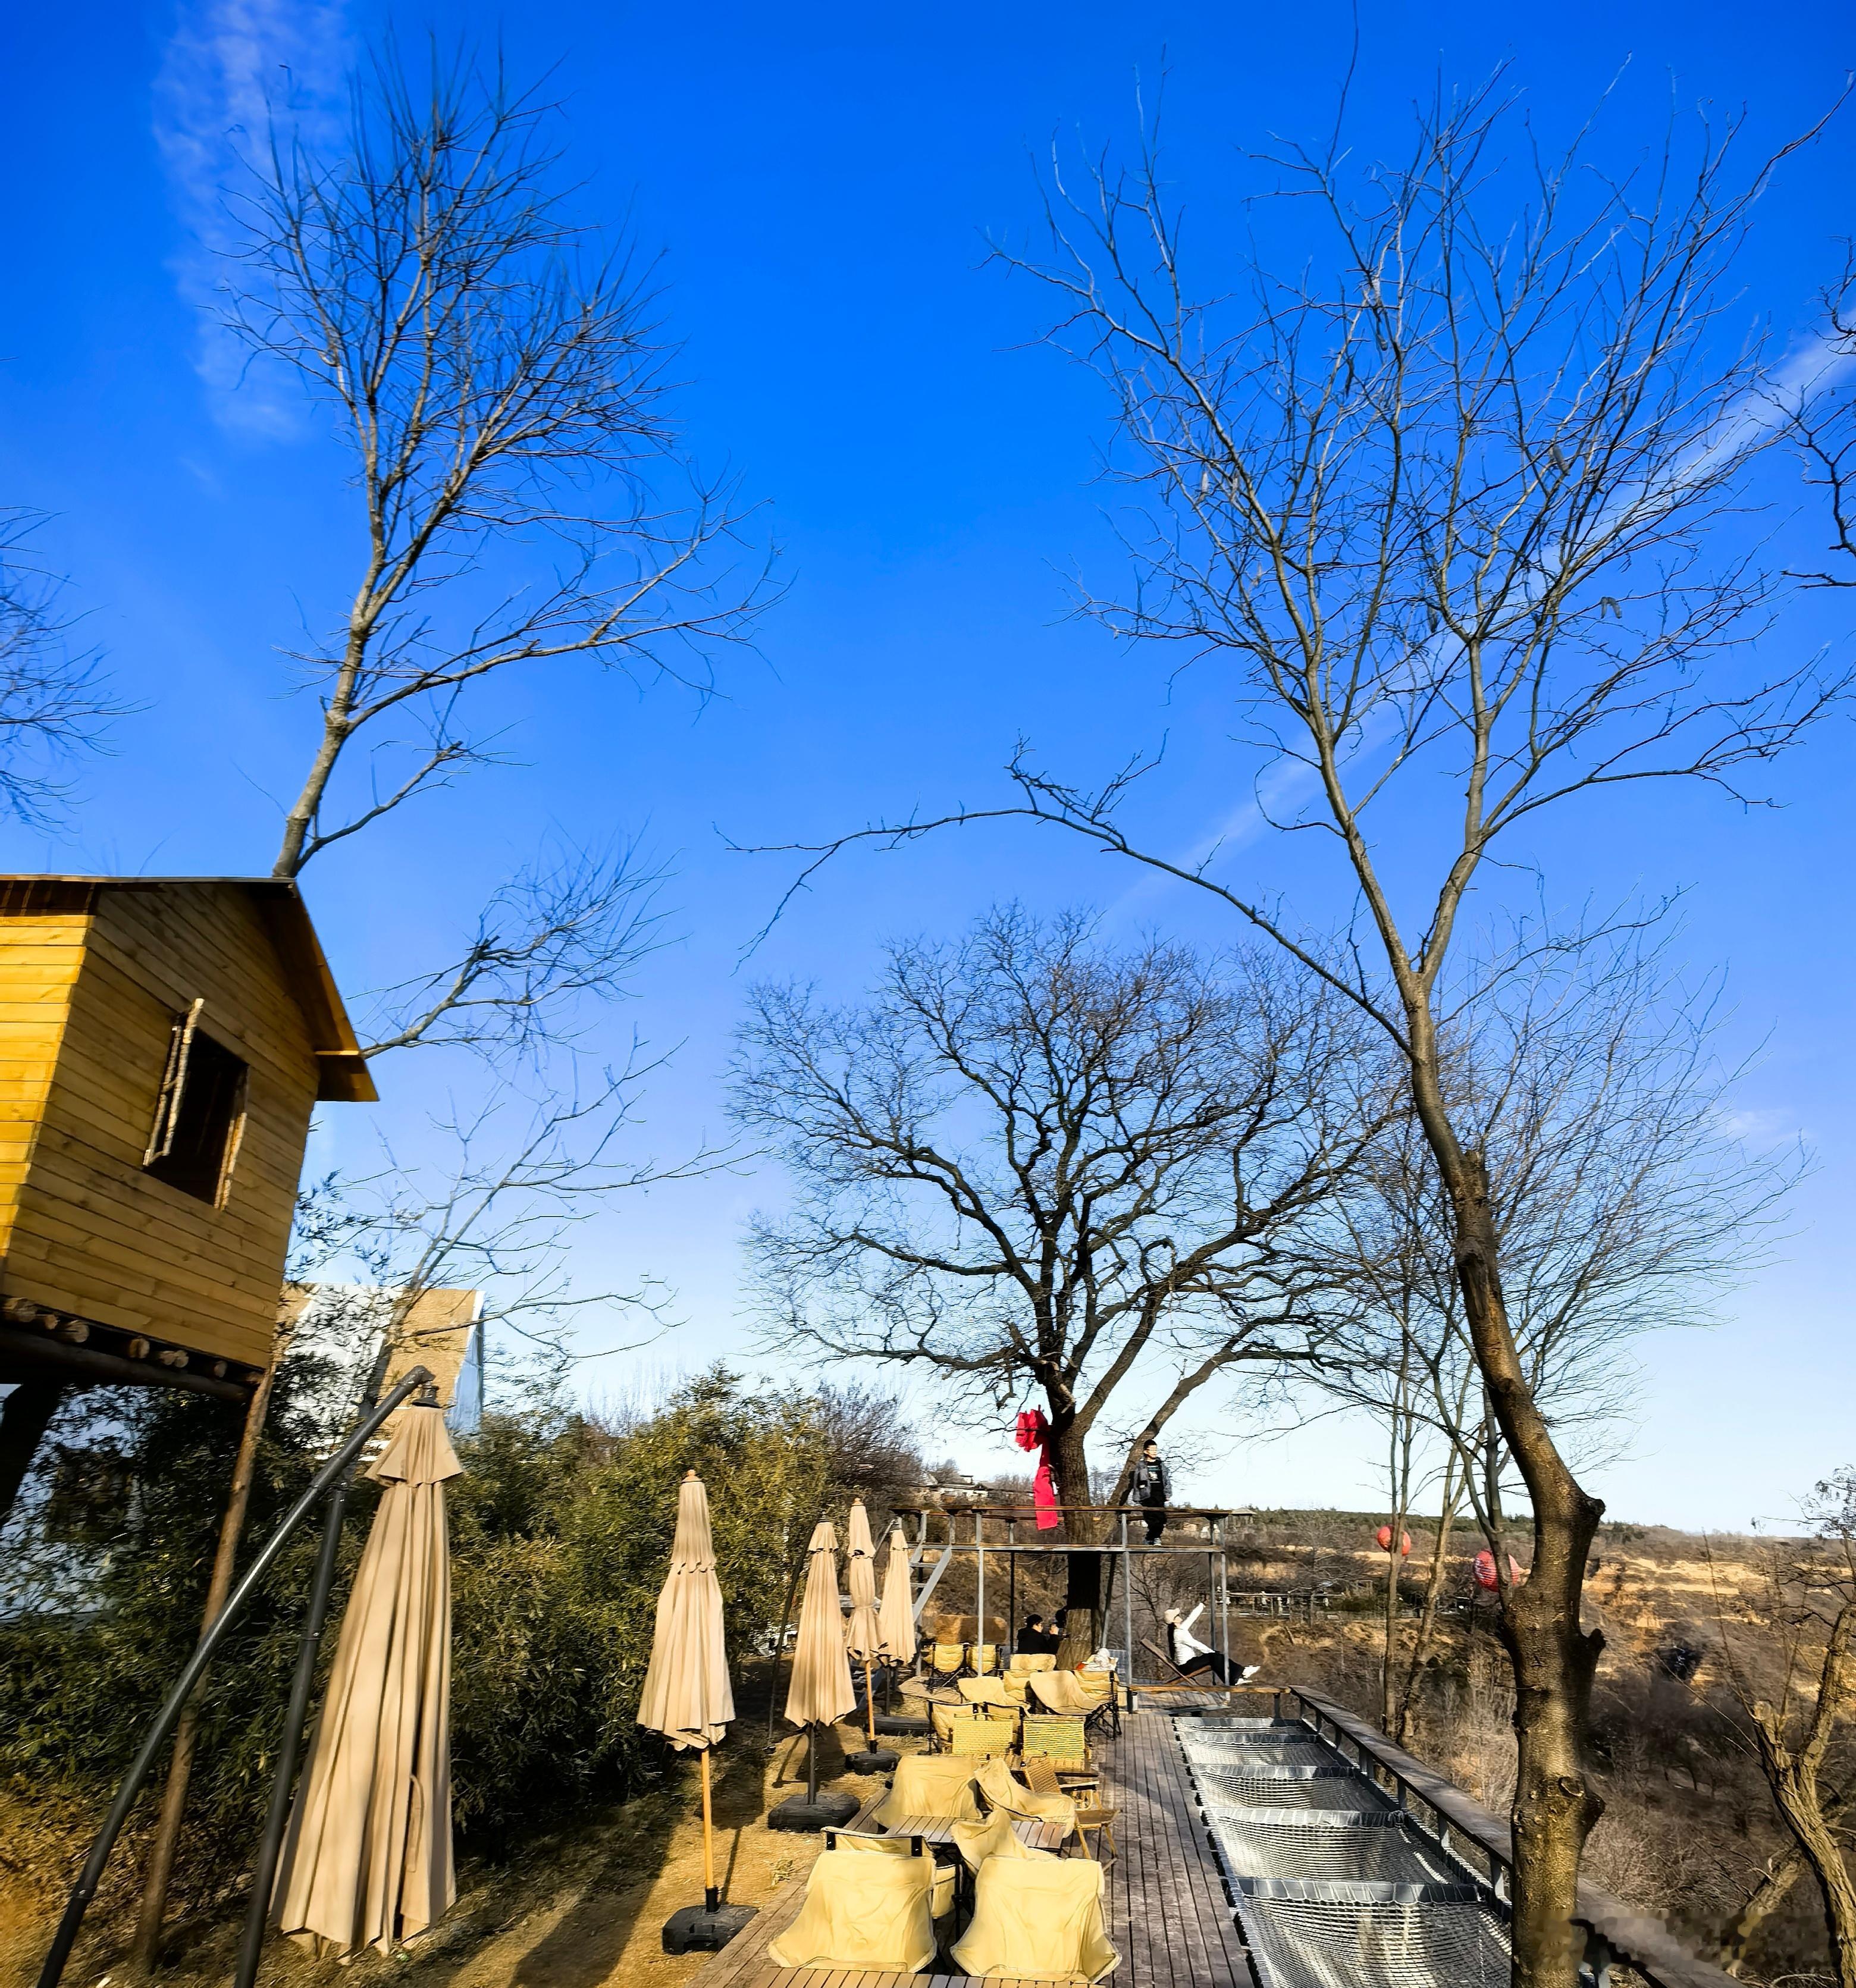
<point>1590,1087</point>
<point>1036,1166</point>
<point>497,376</point>
<point>1795,1682</point>
<point>1445,493</point>
<point>54,704</point>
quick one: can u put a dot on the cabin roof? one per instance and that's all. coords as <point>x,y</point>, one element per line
<point>343,1073</point>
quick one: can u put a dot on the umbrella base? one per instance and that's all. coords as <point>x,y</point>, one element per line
<point>899,1725</point>
<point>828,1812</point>
<point>698,1929</point>
<point>871,1760</point>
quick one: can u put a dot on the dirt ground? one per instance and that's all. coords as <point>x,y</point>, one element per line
<point>583,1910</point>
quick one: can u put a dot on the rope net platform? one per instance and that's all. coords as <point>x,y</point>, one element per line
<point>1222,1787</point>
<point>1380,1846</point>
<point>1333,1885</point>
<point>1306,1943</point>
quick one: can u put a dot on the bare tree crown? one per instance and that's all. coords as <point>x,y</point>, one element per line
<point>496,376</point>
<point>1448,495</point>
<point>1033,1161</point>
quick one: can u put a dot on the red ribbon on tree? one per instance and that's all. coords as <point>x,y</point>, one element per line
<point>1034,1433</point>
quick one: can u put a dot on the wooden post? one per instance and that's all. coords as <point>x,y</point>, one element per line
<point>145,1950</point>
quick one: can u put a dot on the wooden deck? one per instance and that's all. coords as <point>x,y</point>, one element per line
<point>1168,1915</point>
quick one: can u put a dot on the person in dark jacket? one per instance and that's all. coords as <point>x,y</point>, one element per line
<point>1034,1640</point>
<point>1150,1490</point>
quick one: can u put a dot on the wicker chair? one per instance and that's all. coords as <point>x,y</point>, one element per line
<point>980,1738</point>
<point>1057,1738</point>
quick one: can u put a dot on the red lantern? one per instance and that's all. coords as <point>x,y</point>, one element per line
<point>1485,1571</point>
<point>1383,1536</point>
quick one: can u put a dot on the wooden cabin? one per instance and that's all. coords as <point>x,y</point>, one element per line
<point>163,1043</point>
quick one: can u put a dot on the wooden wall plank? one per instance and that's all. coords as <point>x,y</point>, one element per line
<point>86,1229</point>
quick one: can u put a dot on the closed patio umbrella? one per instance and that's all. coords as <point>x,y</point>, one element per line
<point>368,1862</point>
<point>896,1620</point>
<point>821,1692</point>
<point>897,1617</point>
<point>687,1697</point>
<point>863,1631</point>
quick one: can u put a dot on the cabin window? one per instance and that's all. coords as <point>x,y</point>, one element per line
<point>201,1114</point>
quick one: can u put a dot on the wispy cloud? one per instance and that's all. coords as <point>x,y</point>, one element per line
<point>229,67</point>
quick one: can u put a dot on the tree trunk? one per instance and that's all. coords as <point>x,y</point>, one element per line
<point>1083,1591</point>
<point>1427,1620</point>
<point>1794,1789</point>
<point>1738,1935</point>
<point>1553,1658</point>
<point>24,1418</point>
<point>1399,1461</point>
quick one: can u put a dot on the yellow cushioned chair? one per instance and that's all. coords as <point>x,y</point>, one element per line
<point>1055,1737</point>
<point>996,1837</point>
<point>941,1899</point>
<point>1041,1918</point>
<point>1024,1665</point>
<point>863,1912</point>
<point>940,1785</point>
<point>996,1781</point>
<point>1008,1691</point>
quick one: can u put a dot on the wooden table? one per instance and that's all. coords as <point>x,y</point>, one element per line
<point>1033,1833</point>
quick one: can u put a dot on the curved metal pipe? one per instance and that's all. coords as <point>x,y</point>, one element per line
<point>331,1473</point>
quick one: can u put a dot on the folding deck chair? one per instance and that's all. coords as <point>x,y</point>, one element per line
<point>1036,1919</point>
<point>863,1913</point>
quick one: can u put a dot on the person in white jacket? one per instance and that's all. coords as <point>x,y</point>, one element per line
<point>1192,1656</point>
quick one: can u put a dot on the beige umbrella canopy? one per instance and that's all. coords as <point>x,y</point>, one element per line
<point>368,1864</point>
<point>863,1633</point>
<point>686,1696</point>
<point>821,1692</point>
<point>896,1618</point>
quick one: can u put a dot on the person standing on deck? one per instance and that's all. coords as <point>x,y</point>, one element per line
<point>1150,1488</point>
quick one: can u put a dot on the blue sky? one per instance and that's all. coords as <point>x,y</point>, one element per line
<point>821,181</point>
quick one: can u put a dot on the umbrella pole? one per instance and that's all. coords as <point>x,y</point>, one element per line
<point>710,1897</point>
<point>811,1763</point>
<point>870,1705</point>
